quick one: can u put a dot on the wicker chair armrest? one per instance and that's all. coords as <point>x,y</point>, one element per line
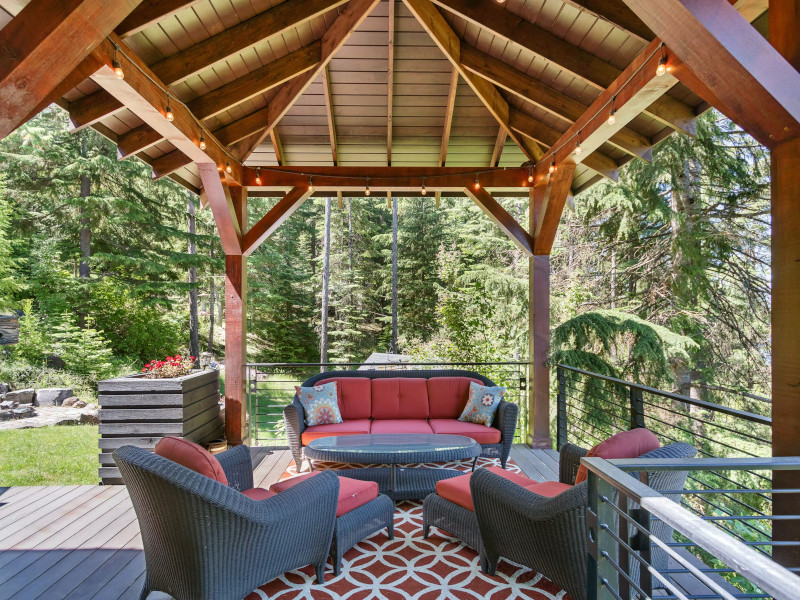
<point>238,467</point>
<point>569,460</point>
<point>295,418</point>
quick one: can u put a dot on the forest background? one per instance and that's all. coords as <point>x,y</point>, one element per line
<point>662,277</point>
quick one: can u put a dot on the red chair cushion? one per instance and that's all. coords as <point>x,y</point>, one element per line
<point>356,427</point>
<point>401,426</point>
<point>548,488</point>
<point>352,492</point>
<point>258,494</point>
<point>480,433</point>
<point>192,456</point>
<point>399,398</point>
<point>625,444</point>
<point>354,396</point>
<point>456,489</point>
<point>447,396</point>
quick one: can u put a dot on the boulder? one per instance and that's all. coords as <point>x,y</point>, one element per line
<point>79,404</point>
<point>21,396</point>
<point>89,418</point>
<point>4,388</point>
<point>53,396</point>
<point>70,401</point>
<point>23,412</point>
<point>6,404</point>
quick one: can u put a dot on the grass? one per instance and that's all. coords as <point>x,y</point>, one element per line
<point>56,455</point>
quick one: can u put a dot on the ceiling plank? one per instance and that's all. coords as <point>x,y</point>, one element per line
<point>449,43</point>
<point>448,116</point>
<point>150,12</point>
<point>390,85</point>
<point>616,13</point>
<point>552,207</point>
<point>499,144</point>
<point>43,44</point>
<point>756,84</point>
<point>326,90</point>
<point>508,225</point>
<point>221,203</point>
<point>271,22</point>
<point>256,82</point>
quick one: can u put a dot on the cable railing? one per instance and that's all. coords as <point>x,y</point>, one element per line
<point>271,387</point>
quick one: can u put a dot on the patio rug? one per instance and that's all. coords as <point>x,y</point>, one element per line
<point>410,567</point>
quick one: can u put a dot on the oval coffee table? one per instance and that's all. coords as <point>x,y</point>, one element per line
<point>399,483</point>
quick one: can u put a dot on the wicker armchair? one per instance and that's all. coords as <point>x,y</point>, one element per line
<point>549,534</point>
<point>204,540</point>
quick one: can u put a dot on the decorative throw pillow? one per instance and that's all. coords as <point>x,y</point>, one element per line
<point>482,403</point>
<point>320,404</point>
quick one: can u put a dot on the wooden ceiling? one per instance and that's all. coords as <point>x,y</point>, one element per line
<point>453,83</point>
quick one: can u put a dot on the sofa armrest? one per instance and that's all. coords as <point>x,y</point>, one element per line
<point>295,419</point>
<point>506,420</point>
<point>569,460</point>
<point>238,467</point>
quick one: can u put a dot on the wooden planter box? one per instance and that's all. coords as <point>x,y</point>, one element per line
<point>138,411</point>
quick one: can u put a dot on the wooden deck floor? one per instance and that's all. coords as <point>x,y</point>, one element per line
<point>83,543</point>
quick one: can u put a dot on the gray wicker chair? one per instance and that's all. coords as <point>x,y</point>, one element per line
<point>505,418</point>
<point>549,534</point>
<point>204,540</point>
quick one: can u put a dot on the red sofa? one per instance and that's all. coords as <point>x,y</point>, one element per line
<point>403,402</point>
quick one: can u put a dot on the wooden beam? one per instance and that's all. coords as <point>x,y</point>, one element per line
<point>552,207</point>
<point>256,126</point>
<point>235,349</point>
<point>142,93</point>
<point>539,351</point>
<point>267,225</point>
<point>499,144</point>
<point>91,109</point>
<point>326,90</point>
<point>448,116</point>
<point>619,15</point>
<point>256,82</point>
<point>274,21</point>
<point>390,85</point>
<point>352,179</point>
<point>580,63</point>
<point>449,43</point>
<point>733,60</point>
<point>43,45</point>
<point>150,12</point>
<point>555,102</point>
<point>277,147</point>
<point>80,74</point>
<point>222,207</point>
<point>137,139</point>
<point>492,208</point>
<point>168,163</point>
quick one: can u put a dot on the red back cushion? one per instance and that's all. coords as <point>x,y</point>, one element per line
<point>625,444</point>
<point>399,398</point>
<point>354,395</point>
<point>447,396</point>
<point>192,456</point>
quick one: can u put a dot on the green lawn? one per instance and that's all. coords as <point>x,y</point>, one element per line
<point>56,455</point>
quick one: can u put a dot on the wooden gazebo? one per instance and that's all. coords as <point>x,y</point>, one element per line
<point>543,97</point>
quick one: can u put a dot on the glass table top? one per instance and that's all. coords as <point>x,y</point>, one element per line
<point>395,443</point>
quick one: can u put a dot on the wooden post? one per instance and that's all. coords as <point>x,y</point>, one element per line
<point>784,28</point>
<point>539,351</point>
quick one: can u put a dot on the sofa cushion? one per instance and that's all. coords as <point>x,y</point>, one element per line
<point>447,396</point>
<point>352,492</point>
<point>354,395</point>
<point>456,489</point>
<point>356,427</point>
<point>192,456</point>
<point>548,488</point>
<point>482,403</point>
<point>399,398</point>
<point>625,444</point>
<point>320,403</point>
<point>401,426</point>
<point>480,433</point>
<point>258,493</point>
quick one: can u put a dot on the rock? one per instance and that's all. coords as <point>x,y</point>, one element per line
<point>5,404</point>
<point>21,396</point>
<point>22,412</point>
<point>6,415</point>
<point>89,418</point>
<point>79,404</point>
<point>70,401</point>
<point>4,388</point>
<point>53,396</point>
<point>54,361</point>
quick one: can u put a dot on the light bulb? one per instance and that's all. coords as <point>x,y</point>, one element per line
<point>366,189</point>
<point>310,185</point>
<point>578,148</point>
<point>552,168</point>
<point>530,178</point>
<point>170,117</point>
<point>228,168</point>
<point>612,117</point>
<point>477,185</point>
<point>118,69</point>
<point>258,176</point>
<point>423,190</point>
<point>662,66</point>
<point>202,143</point>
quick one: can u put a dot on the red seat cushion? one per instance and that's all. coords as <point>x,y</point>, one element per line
<point>480,433</point>
<point>548,488</point>
<point>625,444</point>
<point>258,494</point>
<point>192,456</point>
<point>447,396</point>
<point>401,426</point>
<point>352,492</point>
<point>399,398</point>
<point>354,396</point>
<point>456,489</point>
<point>356,427</point>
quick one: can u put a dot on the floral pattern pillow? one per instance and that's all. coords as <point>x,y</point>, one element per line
<point>320,404</point>
<point>482,404</point>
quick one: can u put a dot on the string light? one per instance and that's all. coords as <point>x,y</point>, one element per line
<point>662,64</point>
<point>423,190</point>
<point>552,168</point>
<point>366,189</point>
<point>310,183</point>
<point>578,148</point>
<point>169,115</point>
<point>116,65</point>
<point>202,143</point>
<point>612,116</point>
<point>228,168</point>
<point>530,174</point>
<point>477,185</point>
<point>258,176</point>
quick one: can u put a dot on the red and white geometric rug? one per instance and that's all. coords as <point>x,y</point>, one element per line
<point>410,567</point>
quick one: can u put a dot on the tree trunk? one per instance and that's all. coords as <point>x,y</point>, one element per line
<point>194,333</point>
<point>86,231</point>
<point>326,258</point>
<point>313,249</point>
<point>614,278</point>
<point>211,301</point>
<point>393,345</point>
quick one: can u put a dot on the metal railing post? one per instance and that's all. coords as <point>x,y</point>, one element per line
<point>637,408</point>
<point>561,410</point>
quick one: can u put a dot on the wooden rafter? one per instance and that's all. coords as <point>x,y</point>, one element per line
<point>257,125</point>
<point>448,116</point>
<point>492,208</point>
<point>390,85</point>
<point>580,63</point>
<point>499,144</point>
<point>44,44</point>
<point>550,206</point>
<point>277,146</point>
<point>265,227</point>
<point>150,12</point>
<point>326,91</point>
<point>136,140</point>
